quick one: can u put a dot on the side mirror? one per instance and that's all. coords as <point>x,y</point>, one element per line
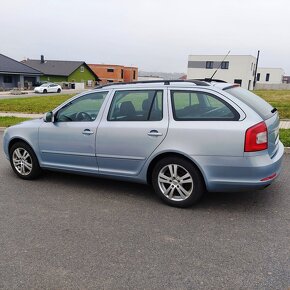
<point>48,117</point>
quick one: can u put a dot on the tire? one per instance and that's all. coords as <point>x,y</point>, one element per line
<point>24,161</point>
<point>44,91</point>
<point>177,182</point>
<point>58,90</point>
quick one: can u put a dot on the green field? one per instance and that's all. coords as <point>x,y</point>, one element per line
<point>279,100</point>
<point>31,105</point>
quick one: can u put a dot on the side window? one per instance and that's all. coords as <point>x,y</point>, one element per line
<point>136,106</point>
<point>193,105</point>
<point>83,109</point>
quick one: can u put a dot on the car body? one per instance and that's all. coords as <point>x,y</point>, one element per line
<point>183,137</point>
<point>48,88</point>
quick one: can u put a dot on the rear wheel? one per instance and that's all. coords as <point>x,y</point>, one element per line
<point>24,161</point>
<point>177,182</point>
<point>45,91</point>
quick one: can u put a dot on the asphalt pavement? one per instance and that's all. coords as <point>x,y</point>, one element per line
<point>64,231</point>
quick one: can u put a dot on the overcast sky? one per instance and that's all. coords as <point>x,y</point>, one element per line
<point>154,35</point>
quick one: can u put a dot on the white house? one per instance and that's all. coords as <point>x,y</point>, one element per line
<point>238,69</point>
<point>270,75</point>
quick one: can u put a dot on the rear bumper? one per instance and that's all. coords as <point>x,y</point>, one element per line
<point>240,173</point>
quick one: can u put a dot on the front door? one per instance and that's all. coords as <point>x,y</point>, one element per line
<point>69,141</point>
<point>132,127</point>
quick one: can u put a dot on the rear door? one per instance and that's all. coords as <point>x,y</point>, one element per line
<point>133,125</point>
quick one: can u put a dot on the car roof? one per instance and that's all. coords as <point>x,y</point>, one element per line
<point>167,83</point>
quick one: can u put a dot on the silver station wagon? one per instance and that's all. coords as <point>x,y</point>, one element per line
<point>181,137</point>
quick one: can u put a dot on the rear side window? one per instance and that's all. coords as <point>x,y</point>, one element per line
<point>192,105</point>
<point>143,105</point>
<point>253,101</point>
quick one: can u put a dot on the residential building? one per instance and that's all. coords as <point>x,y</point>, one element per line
<point>59,71</point>
<point>111,73</point>
<point>14,74</point>
<point>270,75</point>
<point>239,69</point>
<point>286,79</point>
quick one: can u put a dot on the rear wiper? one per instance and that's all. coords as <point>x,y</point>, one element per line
<point>274,110</point>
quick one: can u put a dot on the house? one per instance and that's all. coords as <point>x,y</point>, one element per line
<point>109,73</point>
<point>270,75</point>
<point>63,71</point>
<point>238,69</point>
<point>16,74</point>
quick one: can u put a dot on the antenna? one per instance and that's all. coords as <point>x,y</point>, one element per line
<point>219,65</point>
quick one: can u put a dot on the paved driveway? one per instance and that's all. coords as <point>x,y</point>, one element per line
<point>70,232</point>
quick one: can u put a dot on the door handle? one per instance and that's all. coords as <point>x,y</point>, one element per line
<point>87,132</point>
<point>154,133</point>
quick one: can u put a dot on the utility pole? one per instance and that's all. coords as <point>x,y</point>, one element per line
<point>256,69</point>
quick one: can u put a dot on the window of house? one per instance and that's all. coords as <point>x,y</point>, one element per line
<point>258,76</point>
<point>134,74</point>
<point>110,81</point>
<point>200,106</point>
<point>209,64</point>
<point>7,79</point>
<point>237,81</point>
<point>110,70</point>
<point>225,65</point>
<point>145,105</point>
<point>122,73</point>
<point>82,68</point>
<point>267,77</point>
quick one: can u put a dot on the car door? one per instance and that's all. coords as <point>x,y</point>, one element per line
<point>69,141</point>
<point>134,124</point>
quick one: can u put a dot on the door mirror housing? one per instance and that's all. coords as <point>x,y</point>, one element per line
<point>48,117</point>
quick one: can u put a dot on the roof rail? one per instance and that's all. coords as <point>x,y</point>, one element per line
<point>165,82</point>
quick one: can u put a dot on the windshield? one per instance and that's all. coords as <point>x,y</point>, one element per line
<point>253,101</point>
<point>44,85</point>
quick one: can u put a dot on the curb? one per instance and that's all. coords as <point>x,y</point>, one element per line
<point>287,149</point>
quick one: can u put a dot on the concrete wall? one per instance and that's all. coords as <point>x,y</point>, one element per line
<point>272,86</point>
<point>241,67</point>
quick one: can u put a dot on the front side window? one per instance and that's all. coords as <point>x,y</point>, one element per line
<point>145,105</point>
<point>83,109</point>
<point>194,105</point>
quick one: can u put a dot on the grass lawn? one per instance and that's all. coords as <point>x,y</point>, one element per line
<point>279,100</point>
<point>10,121</point>
<point>284,135</point>
<point>39,104</point>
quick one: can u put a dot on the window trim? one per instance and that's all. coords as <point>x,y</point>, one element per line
<point>232,109</point>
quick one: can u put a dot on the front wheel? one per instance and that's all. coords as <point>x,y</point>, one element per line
<point>177,182</point>
<point>24,161</point>
<point>45,91</point>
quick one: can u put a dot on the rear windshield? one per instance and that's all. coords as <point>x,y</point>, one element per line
<point>253,101</point>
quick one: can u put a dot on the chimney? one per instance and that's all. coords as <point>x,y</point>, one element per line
<point>42,58</point>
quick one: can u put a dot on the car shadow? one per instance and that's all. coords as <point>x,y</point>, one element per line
<point>245,201</point>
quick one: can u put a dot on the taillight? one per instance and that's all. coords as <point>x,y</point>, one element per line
<point>256,138</point>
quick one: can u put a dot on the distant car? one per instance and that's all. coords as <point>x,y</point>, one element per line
<point>48,88</point>
<point>182,137</point>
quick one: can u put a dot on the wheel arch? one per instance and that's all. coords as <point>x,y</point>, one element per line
<point>18,139</point>
<point>164,155</point>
